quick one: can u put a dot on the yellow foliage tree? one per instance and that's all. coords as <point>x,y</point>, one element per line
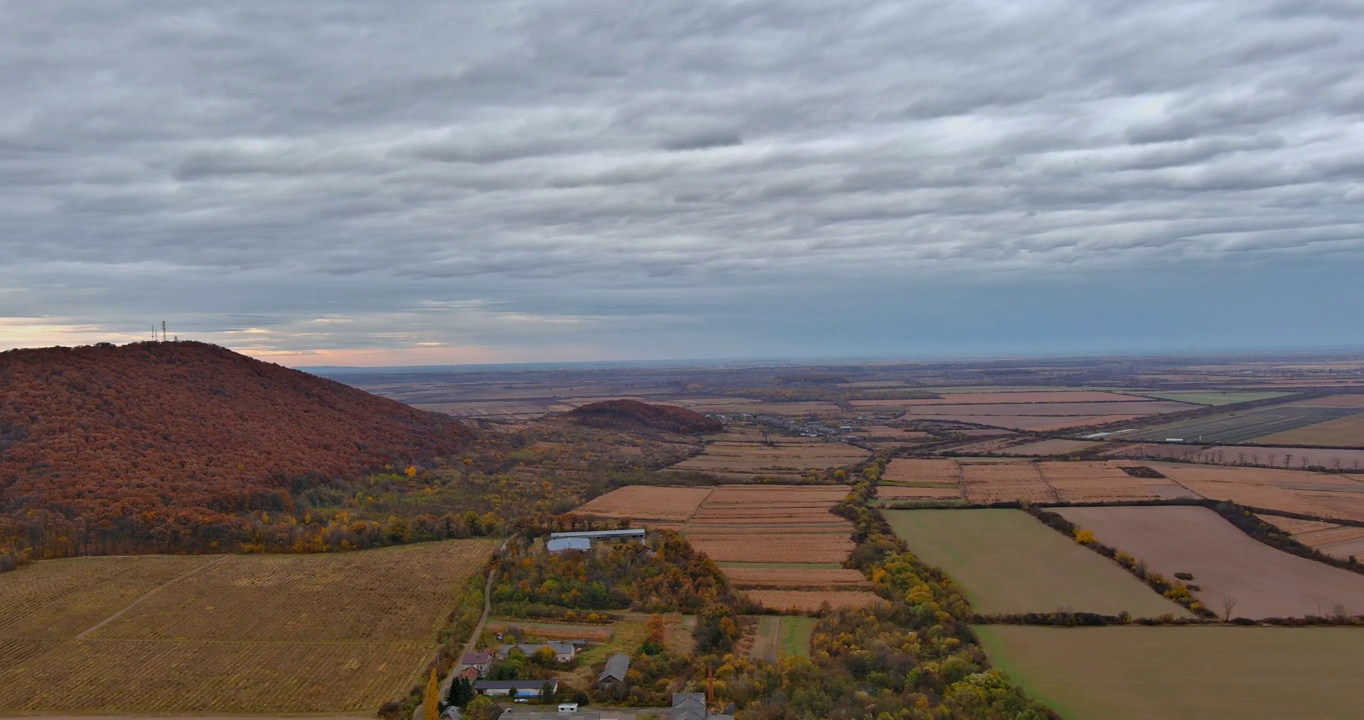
<point>431,698</point>
<point>411,471</point>
<point>1084,537</point>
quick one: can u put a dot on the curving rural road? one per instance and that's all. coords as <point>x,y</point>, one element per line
<point>478,629</point>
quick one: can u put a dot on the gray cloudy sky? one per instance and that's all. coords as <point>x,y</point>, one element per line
<point>423,182</point>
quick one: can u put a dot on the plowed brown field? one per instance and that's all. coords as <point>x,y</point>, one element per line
<point>647,503</point>
<point>805,548</point>
<point>779,578</point>
<point>1225,562</point>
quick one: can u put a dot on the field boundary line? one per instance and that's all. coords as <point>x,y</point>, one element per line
<point>697,509</point>
<point>1037,470</point>
<point>137,601</point>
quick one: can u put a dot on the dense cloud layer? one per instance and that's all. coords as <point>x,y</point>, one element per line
<point>433,181</point>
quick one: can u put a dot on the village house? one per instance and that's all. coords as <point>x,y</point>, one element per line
<point>613,677</point>
<point>481,662</point>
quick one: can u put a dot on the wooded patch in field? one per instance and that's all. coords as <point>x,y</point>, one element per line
<point>1184,673</point>
<point>1227,565</point>
<point>238,634</point>
<point>799,601</point>
<point>1008,562</point>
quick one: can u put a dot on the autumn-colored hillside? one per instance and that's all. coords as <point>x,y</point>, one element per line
<point>172,439</point>
<point>633,414</point>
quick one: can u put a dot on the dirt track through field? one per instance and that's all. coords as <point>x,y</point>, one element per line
<point>1225,562</point>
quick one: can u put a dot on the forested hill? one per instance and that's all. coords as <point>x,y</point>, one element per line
<point>635,415</point>
<point>168,439</point>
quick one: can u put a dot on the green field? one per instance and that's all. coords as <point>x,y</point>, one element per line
<point>1008,562</point>
<point>1193,673</point>
<point>1214,397</point>
<point>783,636</point>
<point>795,636</point>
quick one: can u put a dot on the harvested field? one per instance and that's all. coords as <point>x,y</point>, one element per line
<point>1341,432</point>
<point>1184,673</point>
<point>741,454</point>
<point>1106,481</point>
<point>1001,482</point>
<point>1355,400</point>
<point>1037,423</point>
<point>1213,398</point>
<point>748,494</point>
<point>232,634</point>
<point>757,407</point>
<point>793,579</point>
<point>928,470</point>
<point>641,502</point>
<point>799,601</point>
<point>1269,488</point>
<point>1050,447</point>
<point>891,492</point>
<point>1294,457</point>
<point>1342,541</point>
<point>773,548</point>
<point>1238,426</point>
<point>885,432</point>
<point>1225,562</point>
<point>1136,407</point>
<point>1008,562</point>
<point>1294,526</point>
<point>497,409</point>
<point>1028,397</point>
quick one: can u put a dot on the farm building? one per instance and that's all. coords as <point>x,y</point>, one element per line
<point>558,545</point>
<point>594,535</point>
<point>613,677</point>
<point>582,540</point>
<point>563,652</point>
<point>530,689</point>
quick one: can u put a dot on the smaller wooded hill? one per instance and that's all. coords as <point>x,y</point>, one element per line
<point>634,415</point>
<point>165,440</point>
